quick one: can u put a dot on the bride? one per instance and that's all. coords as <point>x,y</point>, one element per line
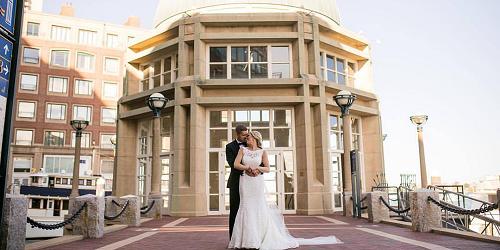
<point>259,225</point>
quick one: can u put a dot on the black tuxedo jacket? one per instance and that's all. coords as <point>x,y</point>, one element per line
<point>232,149</point>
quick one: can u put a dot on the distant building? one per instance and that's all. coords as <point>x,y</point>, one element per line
<point>69,68</point>
<point>436,180</point>
<point>272,65</point>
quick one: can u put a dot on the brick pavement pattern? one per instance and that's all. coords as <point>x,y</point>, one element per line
<point>211,232</point>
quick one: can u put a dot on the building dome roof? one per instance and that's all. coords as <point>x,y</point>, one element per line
<point>169,11</point>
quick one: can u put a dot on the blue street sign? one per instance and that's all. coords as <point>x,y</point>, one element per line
<point>4,87</point>
<point>5,48</point>
<point>8,14</point>
<point>4,68</point>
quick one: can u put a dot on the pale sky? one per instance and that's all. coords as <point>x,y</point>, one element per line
<point>437,58</point>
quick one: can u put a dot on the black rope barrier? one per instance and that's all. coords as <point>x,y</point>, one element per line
<point>119,214</point>
<point>393,209</point>
<point>463,211</point>
<point>148,208</point>
<point>34,223</point>
<point>116,203</point>
<point>364,198</point>
<point>365,207</point>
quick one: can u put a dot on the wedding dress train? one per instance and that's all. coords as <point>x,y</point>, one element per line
<point>259,225</point>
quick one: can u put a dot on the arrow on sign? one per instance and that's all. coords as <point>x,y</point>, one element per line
<point>6,70</point>
<point>6,49</point>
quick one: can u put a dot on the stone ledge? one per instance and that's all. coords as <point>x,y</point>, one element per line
<point>397,223</point>
<point>466,235</point>
<point>68,238</point>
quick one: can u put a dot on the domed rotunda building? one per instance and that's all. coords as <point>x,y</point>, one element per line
<point>272,65</point>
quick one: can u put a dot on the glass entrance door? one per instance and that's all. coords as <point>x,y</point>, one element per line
<point>336,180</point>
<point>218,174</point>
<point>166,182</point>
<point>280,181</point>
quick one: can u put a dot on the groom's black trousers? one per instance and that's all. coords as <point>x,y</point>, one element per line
<point>234,204</point>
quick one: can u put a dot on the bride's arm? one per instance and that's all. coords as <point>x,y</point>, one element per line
<point>237,161</point>
<point>265,162</point>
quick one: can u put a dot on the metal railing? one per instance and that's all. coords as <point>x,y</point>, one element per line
<point>466,213</point>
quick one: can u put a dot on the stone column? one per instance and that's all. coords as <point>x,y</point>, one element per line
<point>90,222</point>
<point>377,211</point>
<point>132,214</point>
<point>424,214</point>
<point>13,228</point>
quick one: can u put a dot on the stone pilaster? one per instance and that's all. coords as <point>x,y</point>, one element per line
<point>155,212</point>
<point>132,214</point>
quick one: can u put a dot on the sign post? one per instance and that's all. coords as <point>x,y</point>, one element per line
<point>11,12</point>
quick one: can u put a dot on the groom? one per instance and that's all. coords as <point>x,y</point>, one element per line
<point>233,183</point>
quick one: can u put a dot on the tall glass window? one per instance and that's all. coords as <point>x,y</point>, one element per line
<point>24,137</point>
<point>85,61</point>
<point>59,58</point>
<point>106,140</point>
<point>244,62</point>
<point>54,138</point>
<point>110,90</point>
<point>83,87</point>
<point>31,55</point>
<point>338,70</point>
<point>60,33</point>
<point>56,111</point>
<point>58,85</point>
<point>26,110</point>
<point>87,37</point>
<point>82,113</point>
<point>111,65</point>
<point>108,115</point>
<point>112,41</point>
<point>29,82</point>
<point>32,29</point>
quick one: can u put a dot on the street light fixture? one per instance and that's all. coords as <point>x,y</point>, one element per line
<point>344,100</point>
<point>156,102</point>
<point>78,126</point>
<point>420,120</point>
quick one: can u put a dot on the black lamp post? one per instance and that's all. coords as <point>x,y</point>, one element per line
<point>156,102</point>
<point>420,120</point>
<point>78,126</point>
<point>344,100</point>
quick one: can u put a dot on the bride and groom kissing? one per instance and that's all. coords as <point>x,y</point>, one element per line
<point>253,223</point>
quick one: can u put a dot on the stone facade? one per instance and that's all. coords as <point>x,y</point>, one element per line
<point>15,210</point>
<point>196,90</point>
<point>424,214</point>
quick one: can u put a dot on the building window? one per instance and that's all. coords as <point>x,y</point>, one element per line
<point>82,113</point>
<point>108,115</point>
<point>58,85</point>
<point>54,138</point>
<point>111,65</point>
<point>56,111</point>
<point>31,55</point>
<point>24,137</point>
<point>86,138</point>
<point>60,33</point>
<point>112,41</point>
<point>83,87</point>
<point>59,58</point>
<point>87,37</point>
<point>245,62</point>
<point>106,140</point>
<point>336,136</point>
<point>22,164</point>
<point>166,133</point>
<point>26,110</point>
<point>338,70</point>
<point>110,90</point>
<point>32,29</point>
<point>161,72</point>
<point>145,77</point>
<point>29,82</point>
<point>85,61</point>
<point>36,203</point>
<point>107,166</point>
<point>130,38</point>
<point>63,164</point>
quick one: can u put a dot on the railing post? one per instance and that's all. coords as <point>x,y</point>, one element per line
<point>155,212</point>
<point>377,211</point>
<point>348,204</point>
<point>13,226</point>
<point>90,223</point>
<point>424,214</point>
<point>132,214</point>
<point>110,208</point>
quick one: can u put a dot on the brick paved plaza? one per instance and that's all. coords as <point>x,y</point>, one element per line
<point>211,233</point>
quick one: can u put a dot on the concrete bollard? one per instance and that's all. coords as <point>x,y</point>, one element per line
<point>15,211</point>
<point>377,211</point>
<point>424,214</point>
<point>90,223</point>
<point>110,208</point>
<point>155,211</point>
<point>132,214</point>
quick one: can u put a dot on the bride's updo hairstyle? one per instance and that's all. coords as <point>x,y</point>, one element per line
<point>258,137</point>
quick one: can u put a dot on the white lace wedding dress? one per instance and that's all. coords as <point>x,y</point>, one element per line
<point>259,225</point>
